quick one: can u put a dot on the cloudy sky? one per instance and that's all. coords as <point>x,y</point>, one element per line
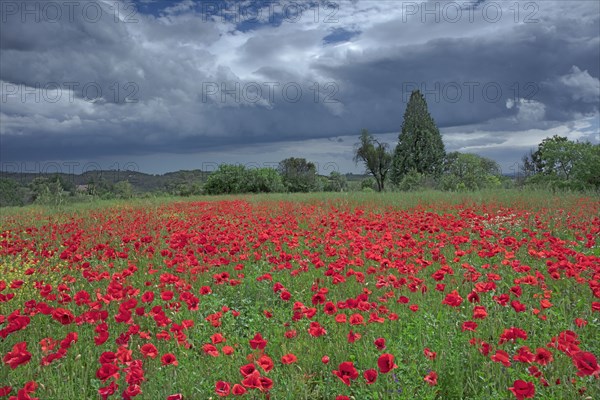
<point>161,85</point>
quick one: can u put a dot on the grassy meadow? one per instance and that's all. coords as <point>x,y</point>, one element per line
<point>424,295</point>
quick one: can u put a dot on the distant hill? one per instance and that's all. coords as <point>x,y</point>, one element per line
<point>140,181</point>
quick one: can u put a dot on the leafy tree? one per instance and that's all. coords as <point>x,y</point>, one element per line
<point>532,164</point>
<point>336,182</point>
<point>412,181</point>
<point>227,179</point>
<point>464,171</point>
<point>100,187</point>
<point>368,183</point>
<point>123,190</point>
<point>560,163</point>
<point>264,180</point>
<point>298,174</point>
<point>11,193</point>
<point>232,179</point>
<point>185,189</point>
<point>420,146</point>
<point>586,171</point>
<point>48,191</point>
<point>375,156</point>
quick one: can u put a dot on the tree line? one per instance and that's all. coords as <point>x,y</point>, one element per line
<point>418,161</point>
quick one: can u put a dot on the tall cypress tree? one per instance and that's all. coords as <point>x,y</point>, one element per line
<point>420,146</point>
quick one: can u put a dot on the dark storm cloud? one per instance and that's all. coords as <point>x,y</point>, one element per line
<point>175,81</point>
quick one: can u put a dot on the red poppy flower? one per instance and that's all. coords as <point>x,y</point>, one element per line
<point>386,363</point>
<point>63,316</point>
<point>586,364</point>
<point>211,350</point>
<point>379,343</point>
<point>346,372</point>
<point>501,357</point>
<point>512,334</point>
<point>238,390</point>
<point>431,378</point>
<point>247,369</point>
<point>316,329</point>
<point>357,319</point>
<point>148,350</point>
<point>266,363</point>
<point>258,342</point>
<point>252,381</point>
<point>18,356</point>
<point>453,299</point>
<point>543,356</point>
<point>131,391</point>
<point>522,389</point>
<point>370,376</point>
<point>429,354</point>
<point>341,318</point>
<point>353,336</point>
<point>285,295</point>
<point>169,359</point>
<point>479,312</point>
<point>67,342</point>
<point>289,359</point>
<point>5,391</point>
<point>518,306</point>
<point>266,384</point>
<point>217,338</point>
<point>222,388</point>
<point>107,371</point>
<point>329,308</point>
<point>107,391</point>
<point>524,355</point>
<point>290,334</point>
<point>48,344</point>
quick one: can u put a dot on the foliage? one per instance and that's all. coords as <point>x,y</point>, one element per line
<point>185,189</point>
<point>233,179</point>
<point>11,194</point>
<point>123,190</point>
<point>227,179</point>
<point>559,163</point>
<point>336,183</point>
<point>49,191</point>
<point>412,181</point>
<point>420,146</point>
<point>99,186</point>
<point>264,180</point>
<point>298,174</point>
<point>464,171</point>
<point>368,183</point>
<point>375,157</point>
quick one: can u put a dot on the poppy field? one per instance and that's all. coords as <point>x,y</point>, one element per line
<point>323,298</point>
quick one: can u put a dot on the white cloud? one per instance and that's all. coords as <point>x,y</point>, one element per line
<point>584,86</point>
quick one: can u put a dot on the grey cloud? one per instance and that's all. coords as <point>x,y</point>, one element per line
<point>548,70</point>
